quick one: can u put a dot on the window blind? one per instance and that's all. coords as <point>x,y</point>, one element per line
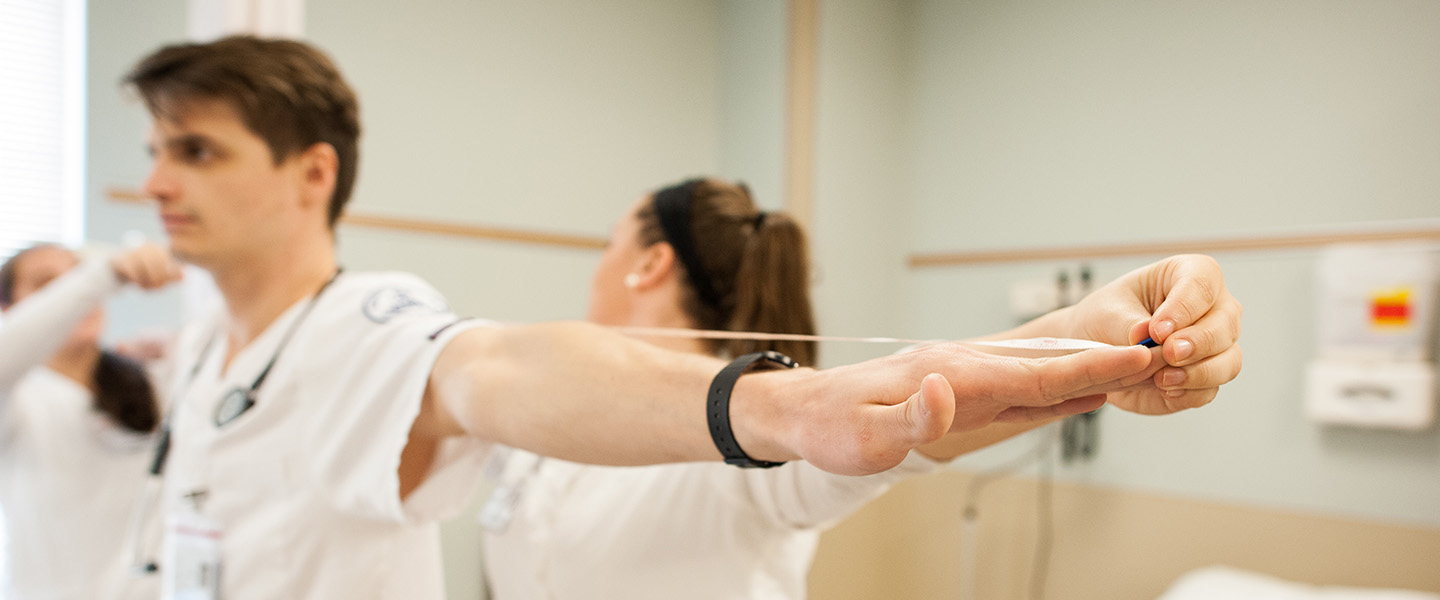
<point>42,88</point>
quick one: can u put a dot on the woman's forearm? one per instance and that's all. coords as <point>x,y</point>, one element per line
<point>34,329</point>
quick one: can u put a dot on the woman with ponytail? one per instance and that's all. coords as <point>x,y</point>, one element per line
<point>696,255</point>
<point>75,424</point>
<point>701,255</point>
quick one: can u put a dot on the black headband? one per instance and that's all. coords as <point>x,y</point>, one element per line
<point>672,208</point>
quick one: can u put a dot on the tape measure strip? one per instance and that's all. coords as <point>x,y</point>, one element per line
<point>710,334</point>
<point>1041,347</point>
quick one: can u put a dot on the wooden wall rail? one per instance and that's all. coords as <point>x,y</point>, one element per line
<point>1418,230</point>
<point>483,232</point>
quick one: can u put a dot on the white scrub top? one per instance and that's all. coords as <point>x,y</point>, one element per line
<point>302,490</point>
<point>690,530</point>
<point>69,476</point>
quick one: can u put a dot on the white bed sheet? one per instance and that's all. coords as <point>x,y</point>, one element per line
<point>1229,583</point>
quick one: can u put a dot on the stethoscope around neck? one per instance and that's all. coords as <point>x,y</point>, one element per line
<point>233,404</point>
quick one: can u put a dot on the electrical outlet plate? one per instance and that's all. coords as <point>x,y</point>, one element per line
<point>1031,298</point>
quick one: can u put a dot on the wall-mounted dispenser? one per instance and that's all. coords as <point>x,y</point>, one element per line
<point>1375,327</point>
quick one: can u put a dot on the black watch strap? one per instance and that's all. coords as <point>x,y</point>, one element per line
<point>717,407</point>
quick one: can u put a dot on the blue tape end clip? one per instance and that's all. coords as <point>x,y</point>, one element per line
<point>1148,343</point>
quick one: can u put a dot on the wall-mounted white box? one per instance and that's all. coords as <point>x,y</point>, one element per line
<point>1381,393</point>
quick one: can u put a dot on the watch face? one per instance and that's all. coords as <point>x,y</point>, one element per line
<point>232,406</point>
<point>780,359</point>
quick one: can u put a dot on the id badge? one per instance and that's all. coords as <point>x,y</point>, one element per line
<point>192,571</point>
<point>499,510</point>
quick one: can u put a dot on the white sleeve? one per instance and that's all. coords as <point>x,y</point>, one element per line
<point>35,328</point>
<point>799,495</point>
<point>372,391</point>
<point>459,461</point>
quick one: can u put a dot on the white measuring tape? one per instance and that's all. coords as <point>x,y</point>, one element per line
<point>1041,347</point>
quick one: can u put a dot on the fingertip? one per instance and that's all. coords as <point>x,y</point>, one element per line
<point>1085,404</point>
<point>1143,354</point>
<point>1160,330</point>
<point>938,388</point>
<point>1192,294</point>
<point>937,406</point>
<point>1139,331</point>
<point>1181,350</point>
<point>1177,400</point>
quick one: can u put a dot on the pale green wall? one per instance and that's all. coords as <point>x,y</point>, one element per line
<point>1107,121</point>
<point>1118,120</point>
<point>544,115</point>
<point>118,35</point>
<point>752,96</point>
<point>860,189</point>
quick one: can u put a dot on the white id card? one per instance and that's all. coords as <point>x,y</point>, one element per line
<point>192,569</point>
<point>500,509</point>
<point>495,517</point>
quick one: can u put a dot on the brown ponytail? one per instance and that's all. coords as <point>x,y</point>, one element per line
<point>123,391</point>
<point>757,264</point>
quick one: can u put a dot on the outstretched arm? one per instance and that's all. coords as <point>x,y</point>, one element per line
<point>585,393</point>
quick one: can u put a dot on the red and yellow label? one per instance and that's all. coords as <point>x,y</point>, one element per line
<point>1390,308</point>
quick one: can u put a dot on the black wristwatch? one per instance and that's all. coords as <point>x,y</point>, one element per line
<point>717,407</point>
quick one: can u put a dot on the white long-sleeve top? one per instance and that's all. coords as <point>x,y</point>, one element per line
<point>69,476</point>
<point>692,530</point>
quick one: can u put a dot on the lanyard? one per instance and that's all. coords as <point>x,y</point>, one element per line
<point>227,409</point>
